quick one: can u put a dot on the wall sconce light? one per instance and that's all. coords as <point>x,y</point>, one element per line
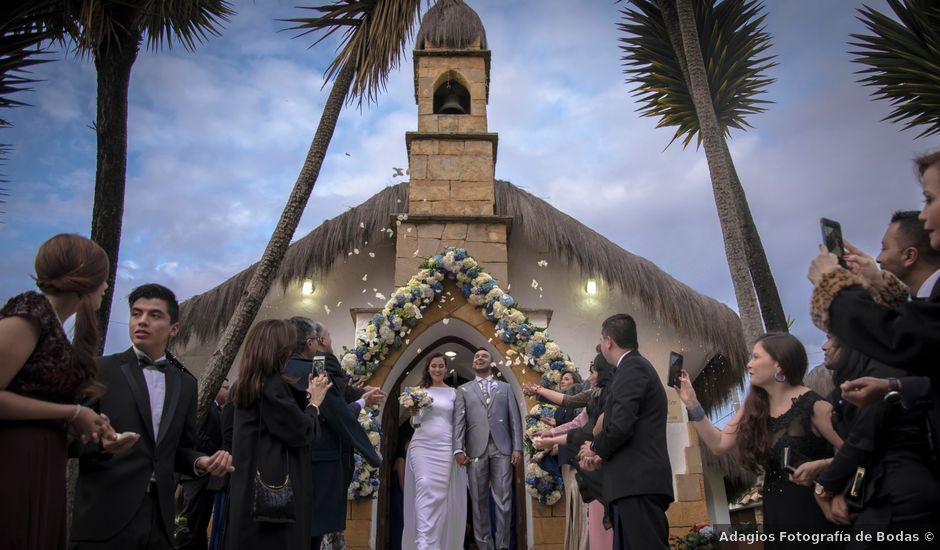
<point>450,354</point>
<point>591,287</point>
<point>307,288</point>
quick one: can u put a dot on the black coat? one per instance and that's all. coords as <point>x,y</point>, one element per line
<point>111,487</point>
<point>273,433</point>
<point>907,337</point>
<point>331,453</point>
<point>633,441</point>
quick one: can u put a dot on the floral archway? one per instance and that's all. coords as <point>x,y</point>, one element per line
<point>529,347</point>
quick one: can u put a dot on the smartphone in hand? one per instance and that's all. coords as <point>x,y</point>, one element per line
<point>675,368</point>
<point>319,365</point>
<point>792,459</point>
<point>832,238</point>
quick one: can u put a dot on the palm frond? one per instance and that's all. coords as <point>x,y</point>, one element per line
<point>23,32</point>
<point>191,22</point>
<point>734,48</point>
<point>902,60</point>
<point>375,33</point>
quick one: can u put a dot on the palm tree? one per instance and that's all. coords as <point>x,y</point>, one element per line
<point>375,33</point>
<point>111,32</point>
<point>902,60</point>
<point>699,68</point>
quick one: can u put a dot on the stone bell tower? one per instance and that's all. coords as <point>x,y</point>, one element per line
<point>452,157</point>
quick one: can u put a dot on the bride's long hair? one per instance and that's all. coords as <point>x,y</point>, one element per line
<point>426,374</point>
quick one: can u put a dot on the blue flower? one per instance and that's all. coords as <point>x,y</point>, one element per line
<point>487,287</point>
<point>538,350</point>
<point>400,299</point>
<point>466,289</point>
<point>473,272</point>
<point>557,365</point>
<point>460,254</point>
<point>438,287</point>
<point>507,300</point>
<point>509,336</point>
<point>377,319</point>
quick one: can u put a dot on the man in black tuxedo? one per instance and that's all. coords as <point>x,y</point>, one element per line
<point>340,431</point>
<point>124,497</point>
<point>199,493</point>
<point>631,447</point>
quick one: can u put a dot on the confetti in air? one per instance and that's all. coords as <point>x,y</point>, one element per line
<point>445,321</point>
<point>542,263</point>
<point>339,303</point>
<point>370,304</point>
<point>355,251</point>
<point>379,295</point>
<point>327,309</point>
<point>535,284</point>
<point>362,225</point>
<point>372,254</point>
<point>365,277</point>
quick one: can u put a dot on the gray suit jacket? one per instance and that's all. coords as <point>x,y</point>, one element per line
<point>475,423</point>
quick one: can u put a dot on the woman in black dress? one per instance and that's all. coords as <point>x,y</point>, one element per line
<point>779,412</point>
<point>273,427</point>
<point>42,376</point>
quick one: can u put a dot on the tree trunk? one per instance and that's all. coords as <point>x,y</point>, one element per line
<point>114,59</point>
<point>720,168</point>
<point>265,270</point>
<point>764,284</point>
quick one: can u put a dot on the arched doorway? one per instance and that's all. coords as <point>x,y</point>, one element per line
<point>408,374</point>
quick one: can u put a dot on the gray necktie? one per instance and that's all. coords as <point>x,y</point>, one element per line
<point>485,388</point>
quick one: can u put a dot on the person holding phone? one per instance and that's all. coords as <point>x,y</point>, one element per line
<point>886,454</point>
<point>903,334</point>
<point>340,431</point>
<point>779,412</point>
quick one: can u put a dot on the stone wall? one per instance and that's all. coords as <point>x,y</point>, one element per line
<point>451,176</point>
<point>485,241</point>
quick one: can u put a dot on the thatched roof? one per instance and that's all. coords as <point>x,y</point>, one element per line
<point>695,316</point>
<point>450,24</point>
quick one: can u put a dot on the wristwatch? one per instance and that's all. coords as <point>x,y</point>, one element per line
<point>893,396</point>
<point>820,490</point>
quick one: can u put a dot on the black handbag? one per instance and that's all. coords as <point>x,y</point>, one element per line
<point>273,503</point>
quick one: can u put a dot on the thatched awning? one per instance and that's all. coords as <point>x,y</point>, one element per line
<point>695,316</point>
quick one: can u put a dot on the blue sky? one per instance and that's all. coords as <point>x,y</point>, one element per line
<point>217,137</point>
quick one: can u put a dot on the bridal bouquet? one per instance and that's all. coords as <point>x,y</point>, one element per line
<point>415,398</point>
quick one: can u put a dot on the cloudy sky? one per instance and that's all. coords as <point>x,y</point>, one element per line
<point>216,139</point>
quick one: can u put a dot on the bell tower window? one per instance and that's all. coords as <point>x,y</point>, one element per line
<point>451,98</point>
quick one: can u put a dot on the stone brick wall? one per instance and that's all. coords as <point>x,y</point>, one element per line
<point>689,507</point>
<point>451,176</point>
<point>485,241</point>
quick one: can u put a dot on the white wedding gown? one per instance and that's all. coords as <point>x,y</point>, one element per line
<point>435,514</point>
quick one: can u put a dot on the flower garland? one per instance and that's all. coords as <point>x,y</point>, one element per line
<point>387,330</point>
<point>546,485</point>
<point>365,482</point>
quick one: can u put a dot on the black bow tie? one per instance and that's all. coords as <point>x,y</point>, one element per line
<point>159,364</point>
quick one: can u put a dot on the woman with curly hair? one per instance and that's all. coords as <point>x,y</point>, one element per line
<point>779,413</point>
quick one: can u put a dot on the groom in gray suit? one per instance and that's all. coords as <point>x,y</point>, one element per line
<point>488,439</point>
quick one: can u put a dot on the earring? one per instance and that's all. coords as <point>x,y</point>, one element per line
<point>780,380</point>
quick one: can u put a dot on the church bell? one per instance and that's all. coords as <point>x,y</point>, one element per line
<point>451,105</point>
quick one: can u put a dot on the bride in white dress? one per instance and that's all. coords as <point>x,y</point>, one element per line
<point>435,514</point>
